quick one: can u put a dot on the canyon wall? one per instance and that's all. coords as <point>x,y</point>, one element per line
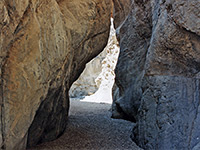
<point>96,81</point>
<point>157,75</point>
<point>85,85</point>
<point>105,79</point>
<point>44,46</point>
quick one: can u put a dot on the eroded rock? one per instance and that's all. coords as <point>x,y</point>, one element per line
<point>98,75</point>
<point>157,74</point>
<point>86,85</point>
<point>44,46</point>
<point>105,79</point>
<point>134,34</point>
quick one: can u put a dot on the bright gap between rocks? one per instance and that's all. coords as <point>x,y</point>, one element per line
<point>96,82</point>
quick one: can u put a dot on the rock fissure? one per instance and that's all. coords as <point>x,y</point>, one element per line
<point>19,26</point>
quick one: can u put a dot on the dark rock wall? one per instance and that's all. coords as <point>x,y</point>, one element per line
<point>134,35</point>
<point>157,75</point>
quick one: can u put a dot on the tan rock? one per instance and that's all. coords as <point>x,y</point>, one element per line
<point>44,46</point>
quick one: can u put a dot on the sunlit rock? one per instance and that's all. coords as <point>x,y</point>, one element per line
<point>105,79</point>
<point>44,46</point>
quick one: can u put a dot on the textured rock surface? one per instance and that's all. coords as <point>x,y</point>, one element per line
<point>134,34</point>
<point>44,46</point>
<point>157,75</point>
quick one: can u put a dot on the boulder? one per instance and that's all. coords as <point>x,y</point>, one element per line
<point>157,75</point>
<point>44,46</point>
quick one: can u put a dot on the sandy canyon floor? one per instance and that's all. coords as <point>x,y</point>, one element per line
<point>90,127</point>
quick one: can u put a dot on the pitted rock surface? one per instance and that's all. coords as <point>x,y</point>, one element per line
<point>44,46</point>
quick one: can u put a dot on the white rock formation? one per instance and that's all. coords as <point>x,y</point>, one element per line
<point>105,80</point>
<point>86,85</point>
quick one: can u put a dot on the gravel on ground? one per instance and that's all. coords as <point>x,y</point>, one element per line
<point>90,127</point>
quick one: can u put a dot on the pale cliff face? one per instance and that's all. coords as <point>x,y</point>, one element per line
<point>44,47</point>
<point>98,76</point>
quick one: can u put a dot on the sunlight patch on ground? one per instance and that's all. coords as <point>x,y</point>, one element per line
<point>103,95</point>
